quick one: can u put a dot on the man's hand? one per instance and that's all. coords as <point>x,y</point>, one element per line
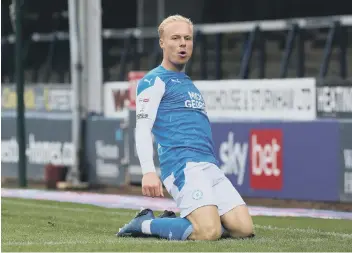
<point>151,185</point>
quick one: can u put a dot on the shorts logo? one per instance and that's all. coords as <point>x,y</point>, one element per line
<point>197,194</point>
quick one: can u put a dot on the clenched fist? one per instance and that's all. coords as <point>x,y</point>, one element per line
<point>151,185</point>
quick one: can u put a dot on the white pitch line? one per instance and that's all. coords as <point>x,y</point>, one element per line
<point>117,241</point>
<point>305,230</point>
<point>14,243</point>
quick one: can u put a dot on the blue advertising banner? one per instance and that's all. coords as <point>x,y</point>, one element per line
<point>106,141</point>
<point>48,141</point>
<point>346,161</point>
<point>287,160</point>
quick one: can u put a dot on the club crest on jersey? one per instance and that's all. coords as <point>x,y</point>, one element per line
<point>196,101</point>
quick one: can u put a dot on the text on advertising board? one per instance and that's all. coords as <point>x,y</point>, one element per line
<point>281,99</point>
<point>38,98</point>
<point>250,152</point>
<point>292,99</point>
<point>266,159</point>
<point>334,101</point>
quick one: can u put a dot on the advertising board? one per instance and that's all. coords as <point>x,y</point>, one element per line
<point>287,160</point>
<point>47,141</point>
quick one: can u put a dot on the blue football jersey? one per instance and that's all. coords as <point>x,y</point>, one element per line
<point>175,108</point>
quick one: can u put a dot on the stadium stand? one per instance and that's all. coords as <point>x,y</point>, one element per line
<point>250,53</point>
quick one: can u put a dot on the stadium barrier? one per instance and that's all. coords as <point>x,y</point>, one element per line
<point>289,139</point>
<point>38,98</point>
<point>48,141</point>
<point>334,98</point>
<point>266,99</point>
<point>345,157</point>
<point>106,148</point>
<point>280,160</point>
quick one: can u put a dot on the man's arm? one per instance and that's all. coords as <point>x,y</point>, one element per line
<point>149,94</point>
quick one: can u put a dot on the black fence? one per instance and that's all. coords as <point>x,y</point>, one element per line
<point>317,47</point>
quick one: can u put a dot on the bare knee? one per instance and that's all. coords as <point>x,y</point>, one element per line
<point>245,230</point>
<point>206,224</point>
<point>208,233</point>
<point>238,222</point>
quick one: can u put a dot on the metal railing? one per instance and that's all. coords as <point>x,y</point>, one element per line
<point>255,41</point>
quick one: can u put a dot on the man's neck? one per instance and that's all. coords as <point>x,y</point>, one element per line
<point>169,66</point>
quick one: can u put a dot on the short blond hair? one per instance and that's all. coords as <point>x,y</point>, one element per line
<point>171,19</point>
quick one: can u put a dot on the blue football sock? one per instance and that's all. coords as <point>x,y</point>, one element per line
<point>168,228</point>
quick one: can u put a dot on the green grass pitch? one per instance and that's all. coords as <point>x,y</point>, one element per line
<point>29,225</point>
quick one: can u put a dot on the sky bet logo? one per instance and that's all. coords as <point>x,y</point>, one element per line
<point>196,101</point>
<point>266,163</point>
<point>233,155</point>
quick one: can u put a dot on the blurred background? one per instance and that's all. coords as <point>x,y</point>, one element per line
<point>47,49</point>
<point>80,62</point>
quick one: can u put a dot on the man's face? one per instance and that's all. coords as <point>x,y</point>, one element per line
<point>177,42</point>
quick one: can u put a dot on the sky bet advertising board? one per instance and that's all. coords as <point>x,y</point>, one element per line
<point>280,160</point>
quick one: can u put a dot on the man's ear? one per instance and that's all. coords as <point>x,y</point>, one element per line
<point>161,43</point>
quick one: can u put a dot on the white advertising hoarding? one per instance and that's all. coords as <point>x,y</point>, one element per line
<point>257,99</point>
<point>267,99</point>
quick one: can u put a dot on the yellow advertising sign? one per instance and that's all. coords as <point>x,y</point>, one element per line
<point>9,98</point>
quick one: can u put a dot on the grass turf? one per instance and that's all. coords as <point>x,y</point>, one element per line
<point>32,225</point>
